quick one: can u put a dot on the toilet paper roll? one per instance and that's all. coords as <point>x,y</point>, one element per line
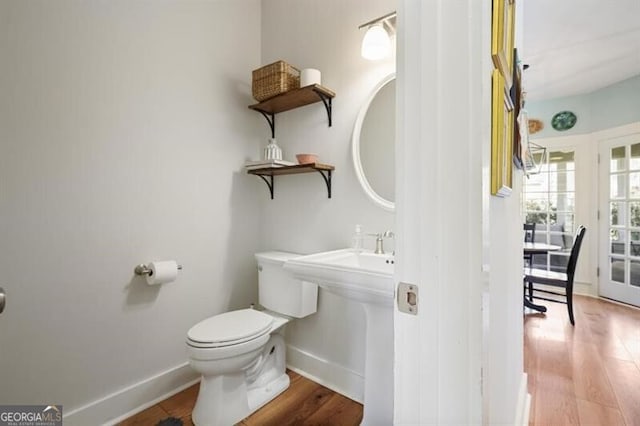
<point>309,76</point>
<point>162,272</point>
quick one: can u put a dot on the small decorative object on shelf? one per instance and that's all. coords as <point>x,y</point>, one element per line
<point>564,120</point>
<point>306,158</point>
<point>309,76</point>
<point>264,164</point>
<point>272,151</point>
<point>274,79</point>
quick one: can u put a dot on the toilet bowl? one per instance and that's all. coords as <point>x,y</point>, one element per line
<point>241,354</point>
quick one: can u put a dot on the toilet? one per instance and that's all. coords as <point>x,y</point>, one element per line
<point>241,354</point>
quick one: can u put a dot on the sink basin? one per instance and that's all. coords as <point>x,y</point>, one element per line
<point>367,278</point>
<point>355,274</point>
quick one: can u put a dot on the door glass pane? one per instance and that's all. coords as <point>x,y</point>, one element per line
<point>537,218</point>
<point>634,162</point>
<point>634,213</point>
<point>634,269</point>
<point>634,243</point>
<point>616,213</point>
<point>618,188</point>
<point>562,201</point>
<point>617,241</point>
<point>617,270</point>
<point>634,185</point>
<point>535,202</point>
<point>562,181</point>
<point>566,219</point>
<point>558,262</point>
<point>561,161</point>
<point>617,159</point>
<point>537,183</point>
<point>549,201</point>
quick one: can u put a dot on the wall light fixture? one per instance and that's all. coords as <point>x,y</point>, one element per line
<point>376,43</point>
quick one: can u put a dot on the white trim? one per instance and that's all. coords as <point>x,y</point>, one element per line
<point>615,302</point>
<point>126,402</point>
<point>584,289</point>
<point>524,403</point>
<point>329,374</point>
<point>616,132</point>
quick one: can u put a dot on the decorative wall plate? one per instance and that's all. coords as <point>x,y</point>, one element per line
<point>563,120</point>
<point>535,125</point>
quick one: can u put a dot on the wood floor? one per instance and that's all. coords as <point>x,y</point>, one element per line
<point>588,374</point>
<point>583,375</point>
<point>304,403</point>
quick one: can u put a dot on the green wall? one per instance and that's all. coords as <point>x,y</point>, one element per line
<point>605,108</point>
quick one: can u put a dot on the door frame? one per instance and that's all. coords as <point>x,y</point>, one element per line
<point>604,141</point>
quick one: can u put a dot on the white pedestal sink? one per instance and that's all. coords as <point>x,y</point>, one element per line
<point>367,278</point>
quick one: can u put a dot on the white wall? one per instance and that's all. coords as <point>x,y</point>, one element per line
<point>123,128</point>
<point>323,35</point>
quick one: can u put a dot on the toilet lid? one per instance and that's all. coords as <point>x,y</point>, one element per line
<point>230,327</point>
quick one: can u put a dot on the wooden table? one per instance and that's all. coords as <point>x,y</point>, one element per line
<point>530,249</point>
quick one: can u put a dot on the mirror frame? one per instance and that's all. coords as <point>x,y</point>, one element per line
<point>355,149</point>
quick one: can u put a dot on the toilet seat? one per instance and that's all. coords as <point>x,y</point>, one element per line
<point>229,329</point>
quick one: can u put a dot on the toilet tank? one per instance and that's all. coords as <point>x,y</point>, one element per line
<point>278,291</point>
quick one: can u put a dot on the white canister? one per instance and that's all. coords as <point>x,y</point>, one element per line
<point>309,76</point>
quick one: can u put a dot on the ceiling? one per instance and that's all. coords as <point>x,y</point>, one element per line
<point>578,46</point>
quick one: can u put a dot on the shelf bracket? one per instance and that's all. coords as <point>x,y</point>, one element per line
<point>271,119</point>
<point>269,183</point>
<point>327,180</point>
<point>326,100</point>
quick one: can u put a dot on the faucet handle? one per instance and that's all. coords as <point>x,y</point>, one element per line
<point>388,234</point>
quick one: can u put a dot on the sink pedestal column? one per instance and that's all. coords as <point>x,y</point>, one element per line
<point>378,374</point>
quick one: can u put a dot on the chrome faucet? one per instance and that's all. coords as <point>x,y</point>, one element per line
<point>380,239</point>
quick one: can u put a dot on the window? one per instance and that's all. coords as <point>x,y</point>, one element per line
<point>549,202</point>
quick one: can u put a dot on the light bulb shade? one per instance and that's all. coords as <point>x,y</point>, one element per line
<point>376,43</point>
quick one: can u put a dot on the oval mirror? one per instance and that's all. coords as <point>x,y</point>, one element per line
<point>373,144</point>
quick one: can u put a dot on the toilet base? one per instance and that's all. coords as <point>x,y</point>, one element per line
<point>259,397</point>
<point>226,399</point>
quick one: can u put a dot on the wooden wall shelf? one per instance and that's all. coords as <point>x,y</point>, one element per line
<point>268,173</point>
<point>294,99</point>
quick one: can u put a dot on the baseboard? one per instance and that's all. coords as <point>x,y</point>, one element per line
<point>131,400</point>
<point>333,376</point>
<point>584,289</point>
<point>523,404</point>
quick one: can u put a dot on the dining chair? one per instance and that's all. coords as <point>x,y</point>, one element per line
<point>563,280</point>
<point>529,237</point>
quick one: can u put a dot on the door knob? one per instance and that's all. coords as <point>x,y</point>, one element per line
<point>3,299</point>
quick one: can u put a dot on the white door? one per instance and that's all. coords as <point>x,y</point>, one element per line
<point>619,253</point>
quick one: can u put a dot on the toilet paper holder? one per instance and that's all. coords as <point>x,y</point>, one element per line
<point>143,269</point>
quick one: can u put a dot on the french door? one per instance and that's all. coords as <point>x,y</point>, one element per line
<point>619,253</point>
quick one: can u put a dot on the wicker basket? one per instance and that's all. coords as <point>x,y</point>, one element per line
<point>274,79</point>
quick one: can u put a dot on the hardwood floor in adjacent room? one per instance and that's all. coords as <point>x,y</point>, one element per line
<point>304,403</point>
<point>588,374</point>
